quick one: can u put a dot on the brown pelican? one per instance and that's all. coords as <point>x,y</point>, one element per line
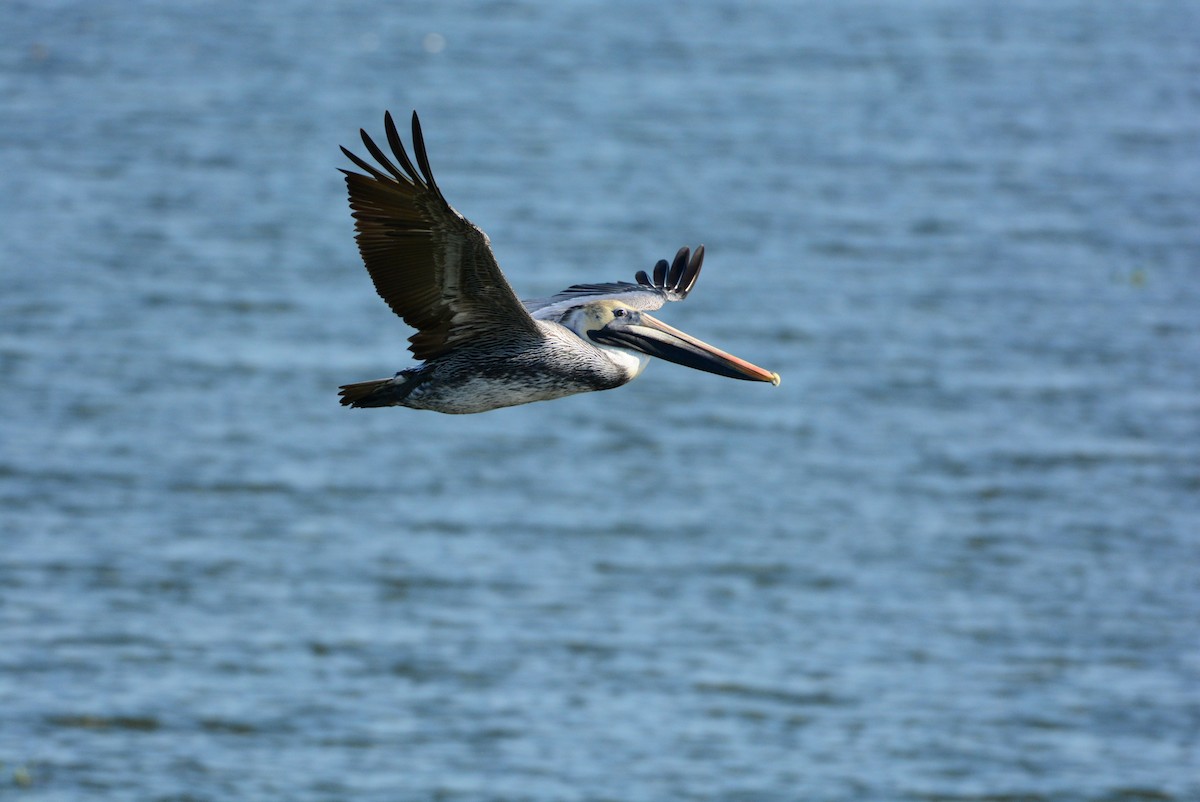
<point>481,347</point>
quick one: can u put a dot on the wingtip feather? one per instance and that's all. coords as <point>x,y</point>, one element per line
<point>422,156</point>
<point>688,279</point>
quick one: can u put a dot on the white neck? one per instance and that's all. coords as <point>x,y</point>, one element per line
<point>631,363</point>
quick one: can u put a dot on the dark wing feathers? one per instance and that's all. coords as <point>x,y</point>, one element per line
<point>429,263</point>
<point>681,277</point>
<point>682,265</point>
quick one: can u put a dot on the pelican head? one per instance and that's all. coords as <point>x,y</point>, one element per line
<point>614,326</point>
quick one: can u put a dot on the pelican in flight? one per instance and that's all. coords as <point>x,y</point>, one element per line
<point>482,348</point>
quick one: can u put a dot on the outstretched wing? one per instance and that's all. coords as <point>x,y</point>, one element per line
<point>671,283</point>
<point>428,262</point>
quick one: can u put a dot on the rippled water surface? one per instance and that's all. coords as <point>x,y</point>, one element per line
<point>955,556</point>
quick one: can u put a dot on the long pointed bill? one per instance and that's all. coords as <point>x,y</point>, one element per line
<point>651,336</point>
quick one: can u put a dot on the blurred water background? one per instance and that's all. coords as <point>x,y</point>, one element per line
<point>955,556</point>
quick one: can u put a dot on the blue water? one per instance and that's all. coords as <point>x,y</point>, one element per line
<point>955,556</point>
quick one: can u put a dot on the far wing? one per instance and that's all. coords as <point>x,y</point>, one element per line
<point>671,283</point>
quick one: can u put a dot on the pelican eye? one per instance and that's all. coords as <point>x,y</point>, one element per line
<point>619,312</point>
